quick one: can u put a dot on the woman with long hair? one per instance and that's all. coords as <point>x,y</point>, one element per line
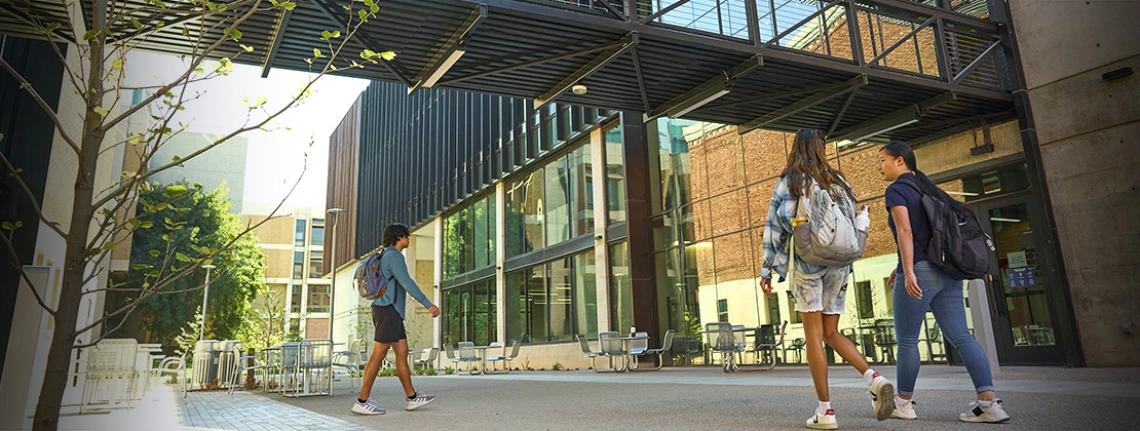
<point>820,291</point>
<point>924,286</point>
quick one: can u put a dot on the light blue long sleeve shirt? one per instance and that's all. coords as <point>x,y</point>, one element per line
<point>400,284</point>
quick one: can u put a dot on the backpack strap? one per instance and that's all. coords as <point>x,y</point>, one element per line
<point>909,182</point>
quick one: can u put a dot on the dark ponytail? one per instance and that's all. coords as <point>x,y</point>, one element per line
<point>927,187</point>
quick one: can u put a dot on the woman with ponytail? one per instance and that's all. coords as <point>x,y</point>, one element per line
<point>924,286</point>
<point>820,291</point>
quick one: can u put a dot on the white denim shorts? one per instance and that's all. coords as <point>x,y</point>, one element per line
<point>824,291</point>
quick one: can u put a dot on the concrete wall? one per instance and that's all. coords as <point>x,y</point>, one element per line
<point>1088,131</point>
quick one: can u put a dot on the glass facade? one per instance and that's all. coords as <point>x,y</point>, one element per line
<point>469,238</point>
<point>470,313</point>
<point>299,234</point>
<point>615,175</point>
<point>318,239</point>
<point>554,301</point>
<point>551,204</point>
<point>621,289</point>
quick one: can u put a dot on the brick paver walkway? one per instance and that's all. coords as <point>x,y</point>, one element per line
<point>245,411</point>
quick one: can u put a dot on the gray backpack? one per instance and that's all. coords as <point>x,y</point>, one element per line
<point>828,236</point>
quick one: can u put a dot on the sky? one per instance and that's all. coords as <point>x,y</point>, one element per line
<point>275,160</point>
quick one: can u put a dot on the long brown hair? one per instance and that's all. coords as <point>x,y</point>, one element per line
<point>808,161</point>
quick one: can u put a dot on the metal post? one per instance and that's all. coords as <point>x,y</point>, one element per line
<point>205,297</point>
<point>332,261</point>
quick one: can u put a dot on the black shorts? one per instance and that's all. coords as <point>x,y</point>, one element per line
<point>389,325</point>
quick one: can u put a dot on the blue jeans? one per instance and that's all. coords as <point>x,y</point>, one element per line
<point>943,296</point>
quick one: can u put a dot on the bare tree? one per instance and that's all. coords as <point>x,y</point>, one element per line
<point>103,218</point>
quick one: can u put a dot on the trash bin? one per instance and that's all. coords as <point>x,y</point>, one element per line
<point>205,364</point>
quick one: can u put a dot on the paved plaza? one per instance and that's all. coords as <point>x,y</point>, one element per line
<point>672,399</point>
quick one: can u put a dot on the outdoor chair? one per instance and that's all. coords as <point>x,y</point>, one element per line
<point>610,344</point>
<point>665,347</point>
<point>315,365</point>
<point>352,360</point>
<point>176,366</point>
<point>592,355</point>
<point>111,374</point>
<point>720,340</point>
<point>458,359</point>
<point>885,339</point>
<point>243,365</point>
<point>504,358</point>
<point>797,347</point>
<point>428,359</point>
<point>767,343</point>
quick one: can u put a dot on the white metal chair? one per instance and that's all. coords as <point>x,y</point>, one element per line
<point>592,355</point>
<point>243,365</point>
<point>611,348</point>
<point>459,358</point>
<point>665,347</point>
<point>504,358</point>
<point>176,366</point>
<point>314,363</point>
<point>111,374</point>
<point>352,360</point>
<point>428,358</point>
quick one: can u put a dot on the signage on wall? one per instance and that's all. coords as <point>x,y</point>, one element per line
<point>1021,278</point>
<point>1017,259</point>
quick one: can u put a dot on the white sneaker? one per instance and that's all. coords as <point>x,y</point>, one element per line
<point>993,414</point>
<point>823,422</point>
<point>883,395</point>
<point>367,408</point>
<point>904,410</point>
<point>420,400</point>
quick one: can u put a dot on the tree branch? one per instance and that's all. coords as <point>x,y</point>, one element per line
<point>24,84</point>
<point>31,196</point>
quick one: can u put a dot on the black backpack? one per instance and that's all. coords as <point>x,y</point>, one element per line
<point>958,245</point>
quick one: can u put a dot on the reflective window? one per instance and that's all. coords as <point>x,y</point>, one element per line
<point>299,234</point>
<point>469,238</point>
<point>621,289</point>
<point>615,175</point>
<point>318,233</point>
<point>469,313</point>
<point>554,301</point>
<point>319,298</point>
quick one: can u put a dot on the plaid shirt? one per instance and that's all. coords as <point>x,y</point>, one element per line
<point>778,232</point>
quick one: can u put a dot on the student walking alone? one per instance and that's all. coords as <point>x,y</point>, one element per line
<point>388,318</point>
<point>820,291</point>
<point>924,286</point>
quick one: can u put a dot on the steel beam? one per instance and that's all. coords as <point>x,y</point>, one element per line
<point>538,61</point>
<point>586,70</point>
<point>450,52</point>
<point>661,12</point>
<point>900,41</point>
<point>705,92</point>
<point>797,25</point>
<point>823,95</point>
<point>331,13</point>
<point>901,117</point>
<point>974,64</point>
<point>640,79</point>
<point>275,44</point>
<point>842,112</point>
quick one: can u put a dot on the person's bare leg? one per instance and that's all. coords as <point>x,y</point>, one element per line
<point>841,344</point>
<point>405,375</point>
<point>817,363</point>
<point>372,369</point>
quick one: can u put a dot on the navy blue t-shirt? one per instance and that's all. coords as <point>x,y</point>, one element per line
<point>899,194</point>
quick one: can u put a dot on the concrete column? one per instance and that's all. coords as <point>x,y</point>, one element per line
<point>983,323</point>
<point>601,222</point>
<point>410,260</point>
<point>500,258</point>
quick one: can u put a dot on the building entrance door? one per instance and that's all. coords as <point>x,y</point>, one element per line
<point>1019,300</point>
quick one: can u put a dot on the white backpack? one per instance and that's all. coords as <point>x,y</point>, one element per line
<point>828,237</point>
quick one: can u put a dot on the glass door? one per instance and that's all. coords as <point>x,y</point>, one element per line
<point>1019,303</point>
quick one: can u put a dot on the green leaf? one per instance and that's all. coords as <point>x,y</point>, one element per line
<point>135,22</point>
<point>166,237</point>
<point>246,48</point>
<point>153,274</point>
<point>211,5</point>
<point>110,245</point>
<point>261,101</point>
<point>375,8</point>
<point>8,225</point>
<point>176,190</point>
<point>175,159</point>
<point>117,64</point>
<point>288,5</point>
<point>317,53</point>
<point>185,31</point>
<point>1,136</point>
<point>309,60</point>
<point>19,224</point>
<point>53,27</point>
<point>236,34</point>
<point>90,34</point>
<point>368,54</point>
<point>363,15</point>
<point>140,266</point>
<point>388,55</point>
<point>146,225</point>
<point>101,111</point>
<point>182,257</point>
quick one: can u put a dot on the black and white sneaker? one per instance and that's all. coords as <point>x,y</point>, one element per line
<point>367,408</point>
<point>420,400</point>
<point>993,414</point>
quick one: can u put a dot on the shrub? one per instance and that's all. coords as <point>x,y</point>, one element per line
<point>430,371</point>
<point>557,366</point>
<point>449,371</point>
